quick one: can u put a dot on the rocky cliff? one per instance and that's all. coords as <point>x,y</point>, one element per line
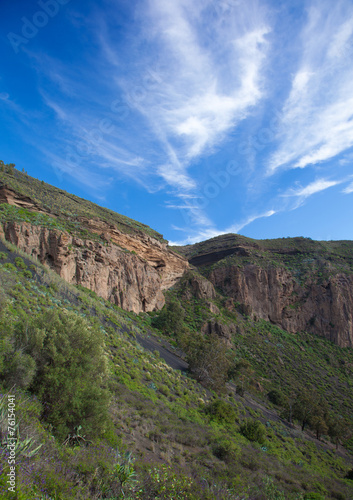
<point>296,284</point>
<point>273,294</point>
<point>129,270</point>
<point>120,259</point>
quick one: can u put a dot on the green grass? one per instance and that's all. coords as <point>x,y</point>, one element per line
<point>187,442</point>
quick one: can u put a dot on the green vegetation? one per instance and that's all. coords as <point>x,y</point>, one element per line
<point>253,430</point>
<point>166,436</point>
<point>301,256</point>
<point>76,365</point>
<point>260,414</point>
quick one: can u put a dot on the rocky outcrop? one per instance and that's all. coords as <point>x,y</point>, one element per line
<point>129,270</point>
<point>225,332</point>
<point>9,196</point>
<point>275,295</point>
<point>202,288</point>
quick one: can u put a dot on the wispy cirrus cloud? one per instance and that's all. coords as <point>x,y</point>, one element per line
<point>210,76</point>
<point>207,78</point>
<point>192,74</point>
<point>210,232</point>
<point>317,118</point>
<point>348,189</point>
<point>314,187</point>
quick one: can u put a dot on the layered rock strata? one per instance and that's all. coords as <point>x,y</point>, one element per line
<point>129,270</point>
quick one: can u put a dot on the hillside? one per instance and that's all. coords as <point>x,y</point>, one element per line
<point>71,213</point>
<point>296,283</point>
<point>184,439</point>
<point>143,376</point>
<point>118,258</point>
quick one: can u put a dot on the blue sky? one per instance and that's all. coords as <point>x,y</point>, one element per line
<point>196,117</point>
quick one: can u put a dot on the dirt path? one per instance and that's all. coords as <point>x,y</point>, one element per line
<point>170,355</point>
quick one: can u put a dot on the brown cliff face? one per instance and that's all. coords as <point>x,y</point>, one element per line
<point>225,332</point>
<point>130,271</point>
<point>273,294</point>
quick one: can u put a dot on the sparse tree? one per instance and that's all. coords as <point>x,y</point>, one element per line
<point>338,428</point>
<point>207,358</point>
<point>318,424</point>
<point>241,371</point>
<point>304,407</point>
<point>170,319</point>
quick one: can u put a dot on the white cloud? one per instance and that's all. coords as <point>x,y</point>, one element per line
<point>208,78</point>
<point>212,232</point>
<point>238,227</point>
<point>317,119</point>
<point>193,72</point>
<point>313,188</point>
<point>348,189</point>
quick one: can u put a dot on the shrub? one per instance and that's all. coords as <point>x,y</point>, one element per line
<point>207,358</point>
<point>253,430</point>
<point>170,319</point>
<point>350,475</point>
<point>60,358</point>
<point>277,397</point>
<point>9,266</point>
<point>16,366</point>
<point>222,411</point>
<point>226,450</point>
<point>19,263</point>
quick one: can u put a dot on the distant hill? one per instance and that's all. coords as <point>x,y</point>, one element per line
<point>296,283</point>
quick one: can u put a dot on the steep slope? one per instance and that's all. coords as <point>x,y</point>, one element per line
<point>296,283</point>
<point>180,440</point>
<point>119,259</point>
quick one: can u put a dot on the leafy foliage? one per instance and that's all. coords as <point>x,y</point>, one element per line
<point>207,358</point>
<point>60,358</point>
<point>253,430</point>
<point>222,411</point>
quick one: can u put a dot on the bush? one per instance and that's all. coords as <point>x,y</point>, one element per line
<point>9,266</point>
<point>253,430</point>
<point>170,319</point>
<point>222,411</point>
<point>226,450</point>
<point>208,362</point>
<point>350,475</point>
<point>60,358</point>
<point>19,263</point>
<point>277,397</point>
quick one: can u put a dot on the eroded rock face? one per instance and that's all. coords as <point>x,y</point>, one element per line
<point>202,288</point>
<point>132,275</point>
<point>214,327</point>
<point>274,295</point>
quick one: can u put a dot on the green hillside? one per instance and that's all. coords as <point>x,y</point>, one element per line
<point>100,417</point>
<point>63,209</point>
<point>302,255</point>
<point>196,401</point>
